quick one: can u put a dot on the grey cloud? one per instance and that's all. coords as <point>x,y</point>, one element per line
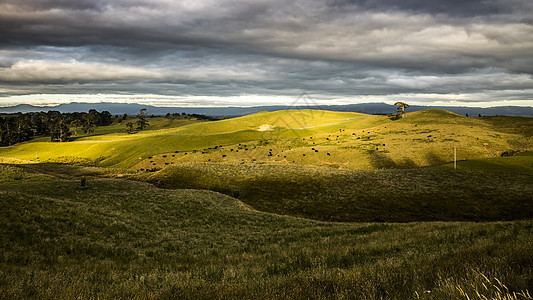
<point>329,47</point>
<point>461,8</point>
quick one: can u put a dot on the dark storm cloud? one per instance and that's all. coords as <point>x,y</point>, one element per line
<point>460,8</point>
<point>334,48</point>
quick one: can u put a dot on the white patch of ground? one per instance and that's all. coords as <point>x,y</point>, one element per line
<point>265,127</point>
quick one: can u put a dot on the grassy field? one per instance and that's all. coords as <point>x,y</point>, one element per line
<point>521,163</point>
<point>305,137</point>
<point>125,239</point>
<point>290,204</point>
<point>362,196</point>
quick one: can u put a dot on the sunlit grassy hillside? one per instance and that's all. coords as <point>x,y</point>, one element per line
<point>302,137</point>
<point>125,239</point>
<point>423,138</point>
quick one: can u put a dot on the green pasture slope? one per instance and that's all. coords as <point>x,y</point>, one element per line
<point>124,239</point>
<point>289,204</point>
<point>305,137</point>
<point>114,147</point>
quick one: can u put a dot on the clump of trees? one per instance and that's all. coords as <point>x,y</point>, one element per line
<point>184,115</point>
<point>140,124</point>
<point>19,127</point>
<point>60,130</point>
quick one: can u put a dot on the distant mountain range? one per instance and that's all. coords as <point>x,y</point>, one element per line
<point>367,108</point>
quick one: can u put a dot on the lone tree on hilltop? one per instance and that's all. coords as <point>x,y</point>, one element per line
<point>400,111</point>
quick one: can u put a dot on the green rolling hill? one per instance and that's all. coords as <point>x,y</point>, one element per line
<point>308,137</point>
<point>120,238</point>
<point>285,204</point>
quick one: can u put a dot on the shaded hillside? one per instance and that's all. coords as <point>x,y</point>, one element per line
<point>124,239</point>
<point>362,196</point>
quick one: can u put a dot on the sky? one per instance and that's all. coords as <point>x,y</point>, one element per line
<point>257,52</point>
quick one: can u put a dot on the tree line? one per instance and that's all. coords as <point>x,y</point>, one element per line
<point>20,127</point>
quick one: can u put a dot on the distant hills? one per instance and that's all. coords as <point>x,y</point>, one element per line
<point>367,108</point>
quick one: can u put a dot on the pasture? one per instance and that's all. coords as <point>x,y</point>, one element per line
<point>288,204</point>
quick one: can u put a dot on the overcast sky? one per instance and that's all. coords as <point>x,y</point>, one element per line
<point>258,52</point>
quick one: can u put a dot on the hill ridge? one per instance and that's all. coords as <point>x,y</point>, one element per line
<point>367,108</point>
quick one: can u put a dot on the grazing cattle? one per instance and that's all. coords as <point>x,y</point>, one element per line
<point>176,151</point>
<point>173,155</point>
<point>223,155</point>
<point>316,150</point>
<point>303,154</point>
<point>149,157</point>
<point>164,156</point>
<point>358,137</point>
<point>327,139</point>
<point>328,154</point>
<point>166,164</point>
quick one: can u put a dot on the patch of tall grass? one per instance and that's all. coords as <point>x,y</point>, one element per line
<point>363,196</point>
<point>125,239</point>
